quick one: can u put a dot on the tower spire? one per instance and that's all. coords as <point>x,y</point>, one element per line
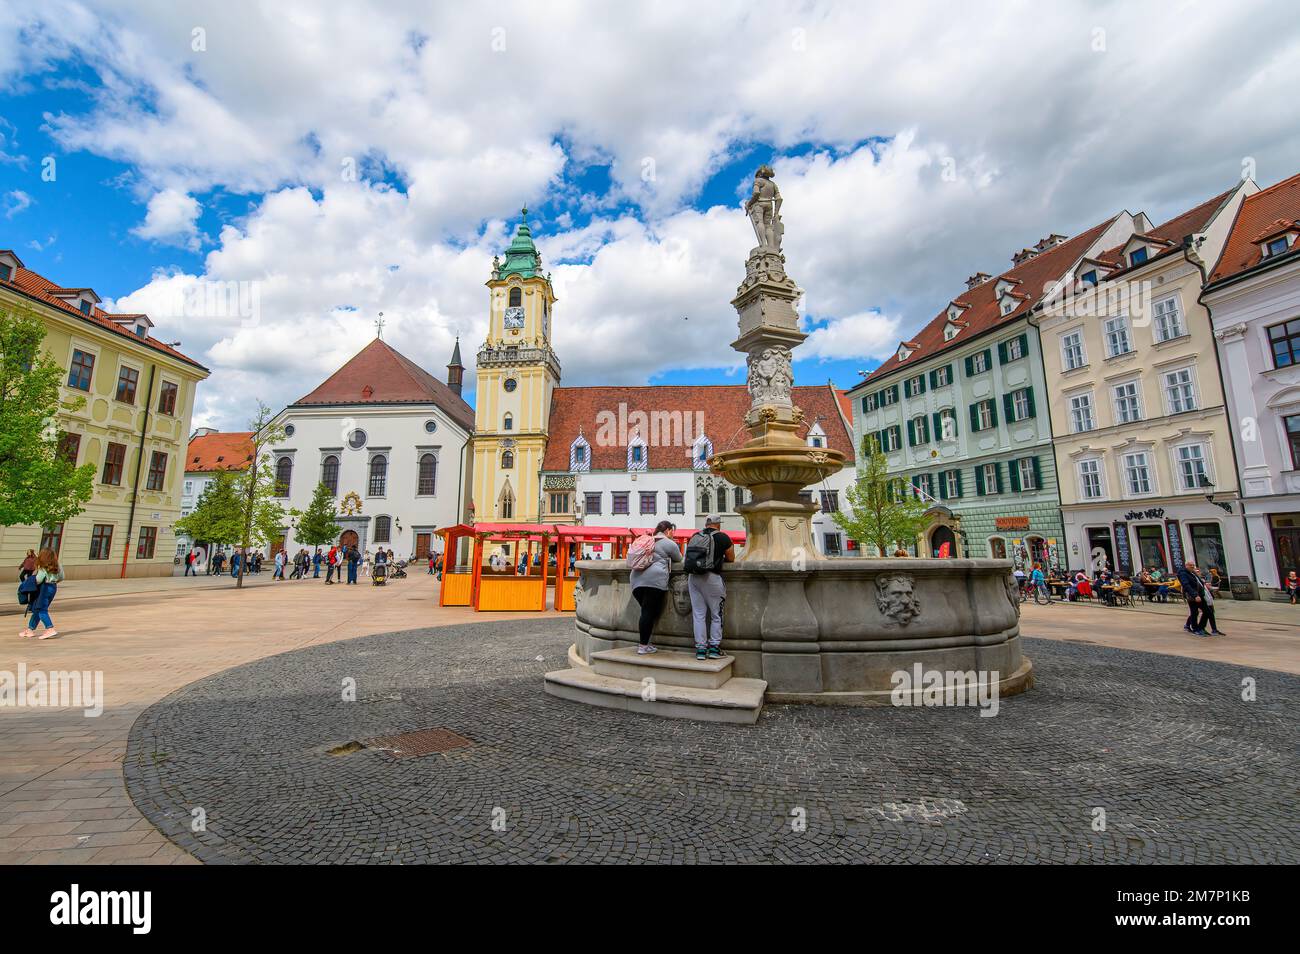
<point>455,370</point>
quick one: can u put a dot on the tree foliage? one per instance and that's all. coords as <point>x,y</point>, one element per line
<point>38,484</point>
<point>883,512</point>
<point>316,526</point>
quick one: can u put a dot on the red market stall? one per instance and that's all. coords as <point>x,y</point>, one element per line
<point>571,538</point>
<point>507,589</point>
<point>457,577</point>
<point>682,536</point>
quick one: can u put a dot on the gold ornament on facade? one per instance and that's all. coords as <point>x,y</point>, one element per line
<point>350,505</point>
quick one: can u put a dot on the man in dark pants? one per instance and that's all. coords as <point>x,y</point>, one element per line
<point>1194,590</point>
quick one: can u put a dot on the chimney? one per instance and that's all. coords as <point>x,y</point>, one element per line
<point>979,278</point>
<point>455,370</point>
<point>1024,255</point>
<point>1051,241</point>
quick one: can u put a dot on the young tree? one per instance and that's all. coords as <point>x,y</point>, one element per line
<point>257,489</point>
<point>217,517</point>
<point>316,526</point>
<point>38,483</point>
<point>882,513</point>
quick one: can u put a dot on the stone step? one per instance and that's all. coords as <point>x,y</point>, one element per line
<point>666,667</point>
<point>738,701</point>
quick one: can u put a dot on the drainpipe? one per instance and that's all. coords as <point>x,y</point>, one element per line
<point>1034,320</point>
<point>139,464</point>
<point>1232,437</point>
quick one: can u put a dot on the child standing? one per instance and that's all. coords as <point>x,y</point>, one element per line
<point>48,578</point>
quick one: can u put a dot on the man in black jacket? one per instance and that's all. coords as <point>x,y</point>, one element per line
<point>1194,590</point>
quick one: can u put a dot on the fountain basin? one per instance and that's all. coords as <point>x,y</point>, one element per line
<point>832,631</point>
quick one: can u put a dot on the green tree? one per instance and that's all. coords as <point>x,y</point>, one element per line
<point>883,511</point>
<point>217,517</point>
<point>316,526</point>
<point>38,484</point>
<point>258,491</point>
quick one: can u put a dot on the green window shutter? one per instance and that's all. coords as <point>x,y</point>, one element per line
<point>958,483</point>
<point>970,365</point>
<point>1029,394</point>
<point>974,417</point>
<point>943,485</point>
<point>993,412</point>
<point>865,409</point>
<point>907,387</point>
<point>988,357</point>
<point>1009,407</point>
<point>979,481</point>
<point>1038,474</point>
<point>1024,345</point>
<point>1002,352</point>
<point>911,433</point>
<point>938,426</point>
<point>893,390</point>
<point>921,382</point>
<point>1013,471</point>
<point>997,468</point>
<point>934,379</point>
<point>925,431</point>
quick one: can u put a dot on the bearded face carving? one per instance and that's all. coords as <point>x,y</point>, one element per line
<point>896,598</point>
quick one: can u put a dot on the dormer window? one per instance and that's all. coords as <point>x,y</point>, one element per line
<point>580,455</point>
<point>637,458</point>
<point>903,353</point>
<point>1089,277</point>
<point>1279,245</point>
<point>6,271</point>
<point>950,331</point>
<point>1138,255</point>
<point>84,305</point>
<point>700,454</point>
<point>1008,307</point>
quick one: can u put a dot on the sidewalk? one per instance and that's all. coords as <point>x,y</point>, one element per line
<point>168,586</point>
<point>1245,611</point>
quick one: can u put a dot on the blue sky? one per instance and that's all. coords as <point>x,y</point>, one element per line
<point>196,143</point>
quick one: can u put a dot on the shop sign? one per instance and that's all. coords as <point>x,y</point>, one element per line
<point>1123,557</point>
<point>1011,523</point>
<point>1175,544</point>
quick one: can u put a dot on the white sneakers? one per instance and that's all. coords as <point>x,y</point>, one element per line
<point>27,634</point>
<point>645,650</point>
<point>48,634</point>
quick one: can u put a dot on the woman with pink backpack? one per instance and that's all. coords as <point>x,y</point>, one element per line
<point>651,558</point>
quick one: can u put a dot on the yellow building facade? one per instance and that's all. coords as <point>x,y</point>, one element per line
<point>517,371</point>
<point>138,398</point>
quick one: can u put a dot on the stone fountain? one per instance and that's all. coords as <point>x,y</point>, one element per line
<point>797,627</point>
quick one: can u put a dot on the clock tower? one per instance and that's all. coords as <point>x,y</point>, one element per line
<point>516,372</point>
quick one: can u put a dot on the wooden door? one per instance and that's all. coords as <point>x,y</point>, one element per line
<point>422,544</point>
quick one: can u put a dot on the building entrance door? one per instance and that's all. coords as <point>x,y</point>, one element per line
<point>349,538</point>
<point>1286,544</point>
<point>422,543</point>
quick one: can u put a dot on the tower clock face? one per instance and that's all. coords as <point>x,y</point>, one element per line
<point>514,317</point>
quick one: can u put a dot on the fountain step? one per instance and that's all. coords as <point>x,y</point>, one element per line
<point>738,701</point>
<point>666,667</point>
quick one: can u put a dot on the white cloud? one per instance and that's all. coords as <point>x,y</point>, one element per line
<point>987,127</point>
<point>172,218</point>
<point>15,202</point>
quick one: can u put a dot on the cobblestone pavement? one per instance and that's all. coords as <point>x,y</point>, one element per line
<point>1185,771</point>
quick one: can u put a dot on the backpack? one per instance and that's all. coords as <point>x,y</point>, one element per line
<point>699,554</point>
<point>642,552</point>
<point>27,590</point>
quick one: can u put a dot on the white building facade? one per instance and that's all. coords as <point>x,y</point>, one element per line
<point>389,441</point>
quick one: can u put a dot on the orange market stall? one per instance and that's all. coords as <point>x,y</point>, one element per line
<point>569,541</point>
<point>506,588</point>
<point>457,575</point>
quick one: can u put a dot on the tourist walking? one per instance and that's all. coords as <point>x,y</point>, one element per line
<point>1292,584</point>
<point>279,566</point>
<point>651,560</point>
<point>28,566</point>
<point>331,564</point>
<point>1195,593</point>
<point>48,577</point>
<point>705,554</point>
<point>1210,592</point>
<point>353,557</point>
<point>189,564</point>
<point>315,564</point>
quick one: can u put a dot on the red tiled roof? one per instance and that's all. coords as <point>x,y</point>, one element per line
<point>220,451</point>
<point>721,408</point>
<point>983,314</point>
<point>378,374</point>
<point>1170,234</point>
<point>1258,214</point>
<point>42,289</point>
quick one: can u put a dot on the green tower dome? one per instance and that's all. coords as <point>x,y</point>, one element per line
<point>522,257</point>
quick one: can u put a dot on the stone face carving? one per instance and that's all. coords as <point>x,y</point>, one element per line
<point>578,592</point>
<point>896,597</point>
<point>1013,592</point>
<point>764,210</point>
<point>770,375</point>
<point>681,596</point>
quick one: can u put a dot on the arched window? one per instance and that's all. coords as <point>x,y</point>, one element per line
<point>383,529</point>
<point>507,460</point>
<point>508,423</point>
<point>706,501</point>
<point>283,473</point>
<point>428,476</point>
<point>722,499</point>
<point>378,475</point>
<point>507,505</point>
<point>329,474</point>
<point>516,297</point>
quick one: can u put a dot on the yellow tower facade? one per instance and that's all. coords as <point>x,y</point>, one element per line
<point>517,371</point>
